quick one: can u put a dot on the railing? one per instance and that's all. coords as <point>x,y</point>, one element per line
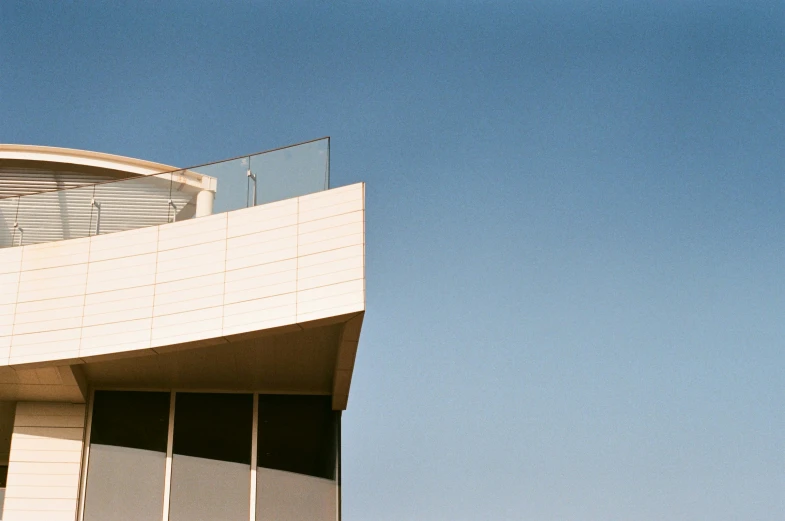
<point>150,200</point>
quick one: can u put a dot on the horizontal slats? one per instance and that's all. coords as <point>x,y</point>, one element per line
<point>67,214</point>
<point>44,462</point>
<point>19,180</point>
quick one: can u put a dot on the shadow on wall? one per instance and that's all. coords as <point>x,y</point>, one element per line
<point>8,208</point>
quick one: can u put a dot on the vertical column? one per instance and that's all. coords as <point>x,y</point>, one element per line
<point>169,445</point>
<point>85,458</point>
<point>338,418</point>
<point>254,449</point>
<point>204,203</point>
<point>44,463</point>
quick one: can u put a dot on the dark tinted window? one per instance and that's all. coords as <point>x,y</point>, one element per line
<point>214,426</point>
<point>138,420</point>
<point>127,464</point>
<point>211,464</point>
<point>3,475</point>
<point>297,434</point>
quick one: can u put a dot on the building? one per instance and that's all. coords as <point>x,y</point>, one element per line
<point>176,344</point>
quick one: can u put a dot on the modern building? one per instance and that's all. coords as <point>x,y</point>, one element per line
<point>176,344</point>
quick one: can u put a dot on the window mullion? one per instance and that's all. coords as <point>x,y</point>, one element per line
<point>254,440</point>
<point>86,455</point>
<point>169,445</point>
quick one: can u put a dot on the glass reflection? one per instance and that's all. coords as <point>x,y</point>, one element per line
<point>127,465</point>
<point>211,459</point>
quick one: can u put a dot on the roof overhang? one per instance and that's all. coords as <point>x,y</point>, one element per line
<point>308,358</point>
<point>269,298</point>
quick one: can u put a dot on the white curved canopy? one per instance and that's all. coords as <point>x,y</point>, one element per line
<point>49,194</point>
<point>111,163</point>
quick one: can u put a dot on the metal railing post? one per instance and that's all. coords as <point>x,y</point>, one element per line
<point>248,194</point>
<point>97,205</point>
<point>21,232</point>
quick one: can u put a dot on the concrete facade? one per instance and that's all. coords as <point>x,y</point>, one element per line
<point>45,462</point>
<point>268,299</point>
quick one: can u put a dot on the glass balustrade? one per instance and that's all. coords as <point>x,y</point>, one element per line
<point>8,225</point>
<point>292,171</point>
<point>54,216</point>
<point>232,180</point>
<point>137,203</point>
<point>167,197</point>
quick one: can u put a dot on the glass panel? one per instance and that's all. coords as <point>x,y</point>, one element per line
<point>151,200</point>
<point>8,207</point>
<point>296,458</point>
<point>232,176</point>
<point>211,464</point>
<point>137,203</point>
<point>292,171</point>
<point>127,465</point>
<point>55,216</point>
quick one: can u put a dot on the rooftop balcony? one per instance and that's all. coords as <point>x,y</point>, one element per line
<point>51,194</point>
<point>244,274</point>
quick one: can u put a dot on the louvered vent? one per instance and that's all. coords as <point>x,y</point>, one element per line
<point>24,180</point>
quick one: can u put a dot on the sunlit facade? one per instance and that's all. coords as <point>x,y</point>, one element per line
<point>176,344</point>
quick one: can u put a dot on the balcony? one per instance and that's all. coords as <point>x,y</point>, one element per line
<point>244,274</point>
<point>53,205</point>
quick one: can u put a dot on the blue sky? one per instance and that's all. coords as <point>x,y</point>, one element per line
<point>576,226</point>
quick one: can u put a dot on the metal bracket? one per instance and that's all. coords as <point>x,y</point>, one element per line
<point>97,205</point>
<point>174,206</point>
<point>248,194</point>
<point>21,232</point>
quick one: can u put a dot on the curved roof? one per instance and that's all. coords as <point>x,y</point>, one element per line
<point>49,194</point>
<point>99,163</point>
<point>71,156</point>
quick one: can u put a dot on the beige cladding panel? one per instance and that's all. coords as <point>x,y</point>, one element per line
<point>272,265</point>
<point>44,463</point>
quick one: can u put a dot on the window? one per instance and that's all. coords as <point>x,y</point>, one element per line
<point>296,458</point>
<point>210,440</point>
<point>3,478</point>
<point>127,462</point>
<point>297,434</point>
<point>211,459</point>
<point>7,413</point>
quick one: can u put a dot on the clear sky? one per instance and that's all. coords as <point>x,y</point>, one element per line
<point>576,226</point>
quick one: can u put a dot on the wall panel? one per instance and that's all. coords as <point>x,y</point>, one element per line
<point>43,470</point>
<point>272,265</point>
